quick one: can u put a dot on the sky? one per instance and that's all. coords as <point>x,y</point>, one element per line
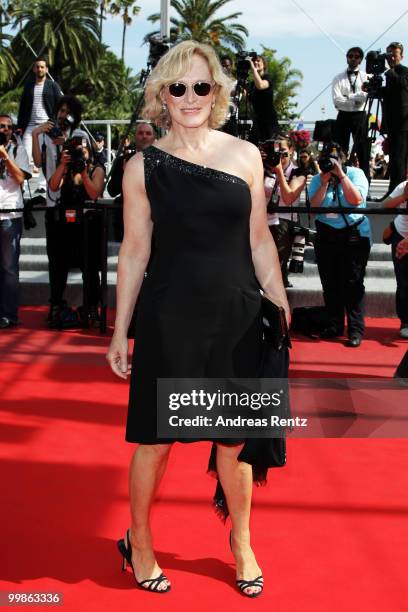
<point>284,26</point>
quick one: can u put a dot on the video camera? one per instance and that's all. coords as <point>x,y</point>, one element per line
<point>58,131</point>
<point>375,65</point>
<point>158,46</point>
<point>243,65</point>
<point>73,146</point>
<point>272,151</point>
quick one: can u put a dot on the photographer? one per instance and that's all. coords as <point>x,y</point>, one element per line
<point>283,186</point>
<point>395,114</point>
<point>48,141</point>
<point>399,240</point>
<point>14,168</point>
<point>349,99</point>
<point>307,164</point>
<point>78,180</point>
<point>144,137</point>
<point>343,242</point>
<point>265,118</point>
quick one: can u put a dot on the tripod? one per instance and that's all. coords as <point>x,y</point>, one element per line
<point>235,125</point>
<point>366,133</point>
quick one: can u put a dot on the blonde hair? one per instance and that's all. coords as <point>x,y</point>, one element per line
<point>173,66</point>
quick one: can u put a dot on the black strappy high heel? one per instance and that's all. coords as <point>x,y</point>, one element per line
<point>152,584</point>
<point>245,584</point>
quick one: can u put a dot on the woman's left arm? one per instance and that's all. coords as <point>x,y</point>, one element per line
<point>93,186</point>
<point>351,193</point>
<point>264,253</point>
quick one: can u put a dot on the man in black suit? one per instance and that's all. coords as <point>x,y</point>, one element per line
<point>395,114</point>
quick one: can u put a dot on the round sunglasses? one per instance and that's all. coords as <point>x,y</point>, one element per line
<point>200,88</point>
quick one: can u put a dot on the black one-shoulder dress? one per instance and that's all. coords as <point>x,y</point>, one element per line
<point>198,313</point>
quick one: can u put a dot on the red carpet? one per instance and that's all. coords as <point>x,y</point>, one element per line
<point>330,530</point>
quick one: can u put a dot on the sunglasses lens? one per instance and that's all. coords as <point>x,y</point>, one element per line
<point>177,90</point>
<point>202,88</point>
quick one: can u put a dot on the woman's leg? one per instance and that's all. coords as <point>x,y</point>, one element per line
<point>236,480</point>
<point>147,468</point>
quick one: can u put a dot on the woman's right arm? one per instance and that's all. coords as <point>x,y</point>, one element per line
<point>319,195</point>
<point>57,178</point>
<point>134,256</point>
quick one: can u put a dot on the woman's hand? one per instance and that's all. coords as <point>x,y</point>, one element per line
<point>65,158</point>
<point>117,356</point>
<point>337,168</point>
<point>325,177</point>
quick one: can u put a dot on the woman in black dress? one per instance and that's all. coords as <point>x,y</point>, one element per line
<point>200,191</point>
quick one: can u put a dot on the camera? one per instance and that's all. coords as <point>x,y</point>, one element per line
<point>243,65</point>
<point>73,146</point>
<point>3,139</point>
<point>58,131</point>
<point>375,65</point>
<point>376,62</point>
<point>328,152</point>
<point>273,152</point>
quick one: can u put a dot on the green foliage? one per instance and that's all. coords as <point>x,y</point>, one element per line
<point>108,91</point>
<point>67,31</point>
<point>8,65</point>
<point>286,80</point>
<point>10,101</point>
<point>197,19</point>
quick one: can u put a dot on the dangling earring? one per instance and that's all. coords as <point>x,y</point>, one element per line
<point>213,104</point>
<point>164,107</point>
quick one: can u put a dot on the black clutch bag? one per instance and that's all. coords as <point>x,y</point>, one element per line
<point>275,327</point>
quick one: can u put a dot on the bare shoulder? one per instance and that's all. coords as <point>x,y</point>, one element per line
<point>243,157</point>
<point>135,163</point>
<point>134,170</point>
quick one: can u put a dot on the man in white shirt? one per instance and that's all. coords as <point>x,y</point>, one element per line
<point>14,169</point>
<point>349,99</point>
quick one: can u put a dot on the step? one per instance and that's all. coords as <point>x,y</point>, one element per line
<point>375,269</point>
<point>38,263</point>
<point>307,291</point>
<point>37,246</point>
<point>34,288</point>
<point>380,296</point>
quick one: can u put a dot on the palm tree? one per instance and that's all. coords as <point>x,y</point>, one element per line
<point>8,65</point>
<point>124,8</point>
<point>103,8</point>
<point>66,30</point>
<point>197,19</point>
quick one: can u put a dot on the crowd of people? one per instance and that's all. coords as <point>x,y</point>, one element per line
<point>72,165</point>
